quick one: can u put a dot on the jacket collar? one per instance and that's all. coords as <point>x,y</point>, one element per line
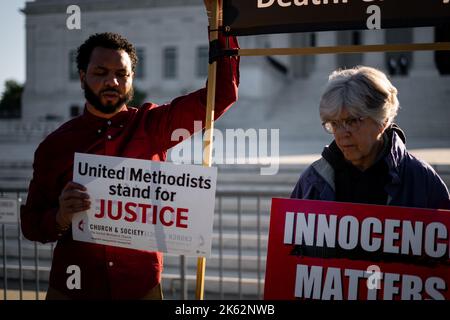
<point>397,152</point>
<point>115,121</point>
<point>394,158</point>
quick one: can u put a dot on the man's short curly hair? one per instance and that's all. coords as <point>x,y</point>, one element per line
<point>106,40</point>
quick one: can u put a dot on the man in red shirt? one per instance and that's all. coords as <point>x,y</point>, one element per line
<point>106,64</point>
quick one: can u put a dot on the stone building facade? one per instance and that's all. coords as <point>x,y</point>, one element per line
<point>171,41</point>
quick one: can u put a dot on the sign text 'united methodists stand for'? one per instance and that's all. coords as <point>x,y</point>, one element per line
<point>341,251</point>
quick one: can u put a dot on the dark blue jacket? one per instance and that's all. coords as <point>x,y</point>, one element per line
<point>414,182</point>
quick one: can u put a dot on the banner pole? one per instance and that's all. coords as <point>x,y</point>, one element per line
<point>208,136</point>
<point>438,46</point>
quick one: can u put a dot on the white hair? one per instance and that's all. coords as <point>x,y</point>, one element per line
<point>363,92</point>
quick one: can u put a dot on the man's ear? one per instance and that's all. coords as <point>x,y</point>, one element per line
<point>82,75</point>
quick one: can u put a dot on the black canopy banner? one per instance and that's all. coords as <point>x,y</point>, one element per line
<point>250,17</point>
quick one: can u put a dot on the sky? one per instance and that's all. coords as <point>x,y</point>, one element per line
<point>12,35</point>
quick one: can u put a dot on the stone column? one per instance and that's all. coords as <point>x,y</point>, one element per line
<point>374,59</point>
<point>325,63</point>
<point>423,61</point>
<point>29,94</point>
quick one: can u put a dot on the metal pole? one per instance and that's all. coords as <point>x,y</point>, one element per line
<point>183,286</point>
<point>220,250</point>
<point>36,266</point>
<point>19,243</point>
<point>5,271</point>
<point>239,248</point>
<point>258,221</point>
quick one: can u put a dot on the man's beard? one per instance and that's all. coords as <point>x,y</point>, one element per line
<point>109,108</point>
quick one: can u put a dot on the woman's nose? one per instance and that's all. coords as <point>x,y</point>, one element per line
<point>341,131</point>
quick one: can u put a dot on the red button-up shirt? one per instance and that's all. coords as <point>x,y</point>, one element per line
<point>111,272</point>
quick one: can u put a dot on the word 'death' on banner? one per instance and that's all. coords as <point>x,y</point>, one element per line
<point>146,205</point>
<point>341,251</point>
<point>282,16</point>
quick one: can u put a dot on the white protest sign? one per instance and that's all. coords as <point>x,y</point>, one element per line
<point>146,205</point>
<point>8,210</point>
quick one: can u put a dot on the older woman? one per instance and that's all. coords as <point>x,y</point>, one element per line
<point>367,162</point>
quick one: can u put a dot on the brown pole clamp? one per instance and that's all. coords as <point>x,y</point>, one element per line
<point>215,51</point>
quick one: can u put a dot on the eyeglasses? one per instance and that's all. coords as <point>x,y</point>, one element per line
<point>349,124</point>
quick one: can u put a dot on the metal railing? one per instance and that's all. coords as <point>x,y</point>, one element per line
<point>227,275</point>
<point>19,130</point>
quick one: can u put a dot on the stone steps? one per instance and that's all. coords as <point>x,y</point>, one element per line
<point>228,241</point>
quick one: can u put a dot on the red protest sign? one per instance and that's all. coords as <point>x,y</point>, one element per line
<point>342,251</point>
